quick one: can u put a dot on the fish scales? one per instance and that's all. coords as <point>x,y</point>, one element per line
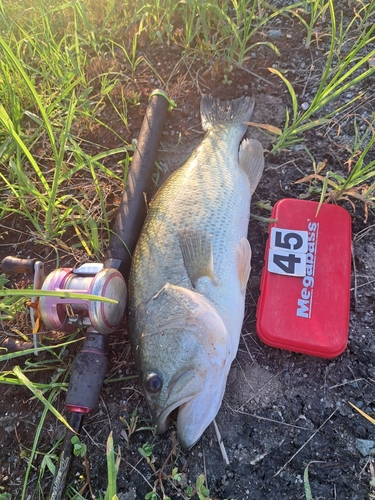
<point>199,195</point>
<point>189,272</point>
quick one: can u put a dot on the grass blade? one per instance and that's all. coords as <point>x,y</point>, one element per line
<point>37,393</point>
<point>27,352</point>
<point>364,414</point>
<point>9,127</point>
<point>306,483</point>
<point>18,66</point>
<point>62,294</point>
<point>112,472</point>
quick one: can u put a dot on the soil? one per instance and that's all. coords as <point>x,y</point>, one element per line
<point>282,411</point>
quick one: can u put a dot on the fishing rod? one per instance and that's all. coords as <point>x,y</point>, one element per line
<point>107,279</point>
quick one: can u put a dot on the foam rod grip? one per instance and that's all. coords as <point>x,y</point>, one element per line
<point>88,373</point>
<point>15,265</point>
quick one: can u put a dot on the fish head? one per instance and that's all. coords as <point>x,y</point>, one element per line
<point>181,355</point>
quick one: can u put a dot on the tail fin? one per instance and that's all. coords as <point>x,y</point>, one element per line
<point>215,111</point>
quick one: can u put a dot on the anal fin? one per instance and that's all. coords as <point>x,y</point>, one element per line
<point>196,248</point>
<point>251,160</point>
<point>243,263</point>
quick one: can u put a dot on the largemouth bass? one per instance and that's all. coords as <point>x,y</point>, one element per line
<point>190,270</point>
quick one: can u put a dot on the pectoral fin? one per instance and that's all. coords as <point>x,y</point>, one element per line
<point>243,263</point>
<point>196,248</point>
<point>251,160</point>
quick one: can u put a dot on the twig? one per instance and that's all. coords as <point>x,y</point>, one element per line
<point>221,444</point>
<point>368,462</point>
<point>135,469</point>
<point>258,458</point>
<point>310,438</point>
<point>160,473</point>
<point>363,284</point>
<point>88,479</point>
<point>347,382</point>
<point>204,468</point>
<point>140,473</point>
<point>244,375</point>
<point>247,347</point>
<point>267,419</point>
<point>361,234</point>
<point>312,67</point>
<point>261,388</point>
<point>256,76</point>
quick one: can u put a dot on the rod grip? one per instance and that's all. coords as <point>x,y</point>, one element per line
<point>88,373</point>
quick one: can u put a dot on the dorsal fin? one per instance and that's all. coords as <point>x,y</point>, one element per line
<point>251,160</point>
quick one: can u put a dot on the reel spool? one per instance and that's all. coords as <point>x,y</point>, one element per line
<point>67,314</point>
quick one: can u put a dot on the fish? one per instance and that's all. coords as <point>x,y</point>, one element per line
<point>190,270</point>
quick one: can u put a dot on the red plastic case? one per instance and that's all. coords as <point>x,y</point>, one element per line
<point>307,314</point>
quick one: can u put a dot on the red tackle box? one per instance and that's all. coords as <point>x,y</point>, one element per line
<point>305,285</point>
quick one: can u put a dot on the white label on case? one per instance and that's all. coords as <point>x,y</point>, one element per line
<point>287,254</point>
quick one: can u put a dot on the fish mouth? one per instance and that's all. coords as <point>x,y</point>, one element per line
<point>180,412</point>
<point>183,390</point>
<point>164,418</point>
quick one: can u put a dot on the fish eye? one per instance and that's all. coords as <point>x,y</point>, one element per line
<point>153,382</point>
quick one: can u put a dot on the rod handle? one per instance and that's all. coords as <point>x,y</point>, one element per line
<point>88,373</point>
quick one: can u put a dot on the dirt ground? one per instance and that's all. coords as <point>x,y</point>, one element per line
<point>282,411</point>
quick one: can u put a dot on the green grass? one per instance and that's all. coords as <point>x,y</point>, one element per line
<point>343,71</point>
<point>358,184</point>
<point>62,65</point>
<point>9,307</point>
<point>47,100</point>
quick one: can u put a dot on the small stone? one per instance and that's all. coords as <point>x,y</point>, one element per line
<point>130,495</point>
<point>275,34</point>
<point>364,446</point>
<point>305,106</point>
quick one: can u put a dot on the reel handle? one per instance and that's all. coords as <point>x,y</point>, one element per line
<point>16,265</point>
